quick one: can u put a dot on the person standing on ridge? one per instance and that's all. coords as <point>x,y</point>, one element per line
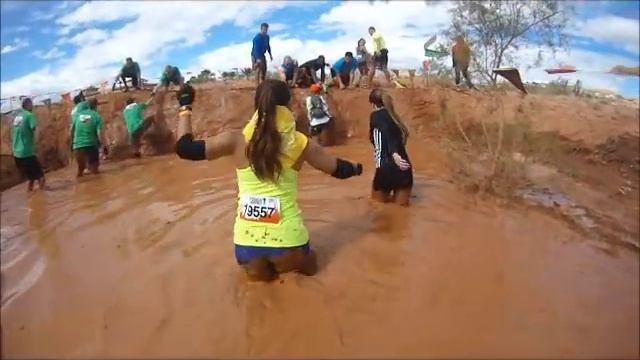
<point>364,59</point>
<point>260,47</point>
<point>461,56</point>
<point>343,71</point>
<point>170,75</point>
<point>23,145</point>
<point>137,124</point>
<point>130,69</point>
<point>380,56</point>
<point>87,135</point>
<point>269,232</point>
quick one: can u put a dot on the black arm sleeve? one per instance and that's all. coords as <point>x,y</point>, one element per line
<point>322,74</point>
<point>345,169</point>
<point>190,149</point>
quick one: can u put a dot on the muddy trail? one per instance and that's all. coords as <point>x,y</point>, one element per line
<point>521,241</point>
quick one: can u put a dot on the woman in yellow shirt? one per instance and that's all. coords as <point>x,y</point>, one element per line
<point>269,232</point>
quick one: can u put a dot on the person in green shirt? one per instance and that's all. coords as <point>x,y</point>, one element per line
<point>137,124</point>
<point>380,55</point>
<point>130,69</point>
<point>23,145</point>
<point>87,135</point>
<point>170,75</point>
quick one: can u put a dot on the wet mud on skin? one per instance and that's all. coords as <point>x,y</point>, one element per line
<point>138,262</point>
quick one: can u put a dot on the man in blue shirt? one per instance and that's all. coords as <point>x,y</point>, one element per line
<point>343,70</point>
<point>260,46</point>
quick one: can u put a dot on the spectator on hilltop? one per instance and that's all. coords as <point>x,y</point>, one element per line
<point>288,70</point>
<point>343,70</point>
<point>306,74</point>
<point>461,56</point>
<point>260,47</point>
<point>380,55</point>
<point>130,69</point>
<point>170,75</point>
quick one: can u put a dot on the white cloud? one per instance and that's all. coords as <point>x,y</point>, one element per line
<point>153,30</point>
<point>618,31</point>
<point>17,45</point>
<point>87,37</point>
<point>54,53</point>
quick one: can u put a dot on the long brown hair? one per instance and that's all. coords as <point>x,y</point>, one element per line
<point>381,98</point>
<point>263,150</point>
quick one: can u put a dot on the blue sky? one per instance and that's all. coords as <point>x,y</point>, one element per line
<point>57,46</point>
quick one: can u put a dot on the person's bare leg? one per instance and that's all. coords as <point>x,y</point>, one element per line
<point>372,73</point>
<point>261,269</point>
<point>81,161</point>
<point>402,197</point>
<point>94,168</point>
<point>30,186</point>
<point>387,76</point>
<point>42,184</point>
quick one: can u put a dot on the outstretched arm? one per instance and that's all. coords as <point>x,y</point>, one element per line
<point>315,155</point>
<point>214,147</point>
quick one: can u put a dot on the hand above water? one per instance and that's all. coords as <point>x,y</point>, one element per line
<point>402,163</point>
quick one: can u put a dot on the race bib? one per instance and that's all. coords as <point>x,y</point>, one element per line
<point>260,209</point>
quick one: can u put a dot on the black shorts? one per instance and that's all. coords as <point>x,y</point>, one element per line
<point>390,178</point>
<point>90,153</point>
<point>29,167</point>
<point>381,60</point>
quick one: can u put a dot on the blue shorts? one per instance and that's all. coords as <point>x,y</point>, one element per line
<point>245,253</point>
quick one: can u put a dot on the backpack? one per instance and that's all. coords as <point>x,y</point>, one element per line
<point>317,109</point>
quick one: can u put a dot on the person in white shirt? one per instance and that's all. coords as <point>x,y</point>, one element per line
<point>320,120</point>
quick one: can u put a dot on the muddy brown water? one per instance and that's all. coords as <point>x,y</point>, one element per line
<point>138,262</point>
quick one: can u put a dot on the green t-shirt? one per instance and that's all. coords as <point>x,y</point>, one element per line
<point>130,69</point>
<point>133,116</point>
<point>83,105</point>
<point>172,77</point>
<point>23,131</point>
<point>86,125</point>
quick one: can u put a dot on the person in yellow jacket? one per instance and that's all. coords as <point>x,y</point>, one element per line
<point>380,56</point>
<point>269,233</point>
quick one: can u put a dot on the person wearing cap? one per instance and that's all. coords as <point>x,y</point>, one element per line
<point>320,120</point>
<point>130,69</point>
